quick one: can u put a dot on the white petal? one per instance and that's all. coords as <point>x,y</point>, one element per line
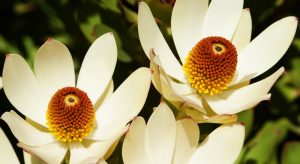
<point>186,23</point>
<point>242,35</point>
<point>161,135</point>
<point>53,67</point>
<point>266,49</point>
<point>151,37</point>
<point>171,90</point>
<point>125,103</point>
<point>102,161</point>
<point>134,150</point>
<point>79,154</point>
<point>188,95</point>
<point>159,80</point>
<point>223,145</point>
<point>101,147</point>
<point>51,153</point>
<point>31,159</point>
<point>0,82</point>
<point>27,157</point>
<point>237,100</point>
<point>24,132</point>
<point>7,153</point>
<point>22,89</point>
<point>222,18</point>
<point>187,138</point>
<point>106,94</point>
<point>98,66</point>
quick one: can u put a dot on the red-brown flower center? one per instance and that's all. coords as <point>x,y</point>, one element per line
<point>70,116</point>
<point>210,65</point>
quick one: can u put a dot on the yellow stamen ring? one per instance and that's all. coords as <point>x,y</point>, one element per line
<point>70,115</point>
<point>210,65</point>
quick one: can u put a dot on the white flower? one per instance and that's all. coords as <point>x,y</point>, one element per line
<point>166,141</point>
<point>0,82</point>
<point>7,153</point>
<point>217,70</point>
<point>50,92</point>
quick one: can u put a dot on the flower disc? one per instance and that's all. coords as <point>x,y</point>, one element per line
<point>210,65</point>
<point>70,115</point>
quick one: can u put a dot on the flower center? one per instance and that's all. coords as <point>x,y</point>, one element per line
<point>210,65</point>
<point>70,115</point>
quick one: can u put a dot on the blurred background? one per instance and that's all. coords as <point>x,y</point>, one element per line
<point>273,127</point>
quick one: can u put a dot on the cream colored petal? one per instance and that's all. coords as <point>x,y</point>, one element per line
<point>79,154</point>
<point>222,18</point>
<point>221,119</point>
<point>186,23</point>
<point>102,161</point>
<point>159,79</point>
<point>101,147</point>
<point>31,159</point>
<point>27,158</point>
<point>223,145</point>
<point>98,66</point>
<point>266,49</point>
<point>134,150</point>
<point>22,89</point>
<point>53,67</point>
<point>171,90</point>
<point>125,103</point>
<point>187,95</point>
<point>161,135</point>
<point>52,153</point>
<point>106,94</point>
<point>237,100</point>
<point>24,132</point>
<point>0,82</point>
<point>187,138</point>
<point>7,153</point>
<point>151,37</point>
<point>242,35</point>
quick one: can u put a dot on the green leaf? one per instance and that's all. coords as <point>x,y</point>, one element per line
<point>246,117</point>
<point>92,26</point>
<point>161,11</point>
<point>262,147</point>
<point>111,4</point>
<point>7,47</point>
<point>30,49</point>
<point>290,154</point>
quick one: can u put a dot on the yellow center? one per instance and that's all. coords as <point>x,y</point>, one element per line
<point>70,115</point>
<point>210,65</point>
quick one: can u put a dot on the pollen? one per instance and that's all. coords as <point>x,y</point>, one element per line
<point>210,65</point>
<point>70,115</point>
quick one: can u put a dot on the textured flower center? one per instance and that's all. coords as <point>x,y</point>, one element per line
<point>210,65</point>
<point>70,115</point>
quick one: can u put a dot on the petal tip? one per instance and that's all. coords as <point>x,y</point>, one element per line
<point>293,19</point>
<point>141,4</point>
<point>9,56</point>
<point>296,18</point>
<point>49,39</point>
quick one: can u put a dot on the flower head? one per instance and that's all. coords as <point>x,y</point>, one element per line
<point>86,117</point>
<point>217,59</point>
<point>165,140</point>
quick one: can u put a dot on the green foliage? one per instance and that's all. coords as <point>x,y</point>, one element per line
<point>291,153</point>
